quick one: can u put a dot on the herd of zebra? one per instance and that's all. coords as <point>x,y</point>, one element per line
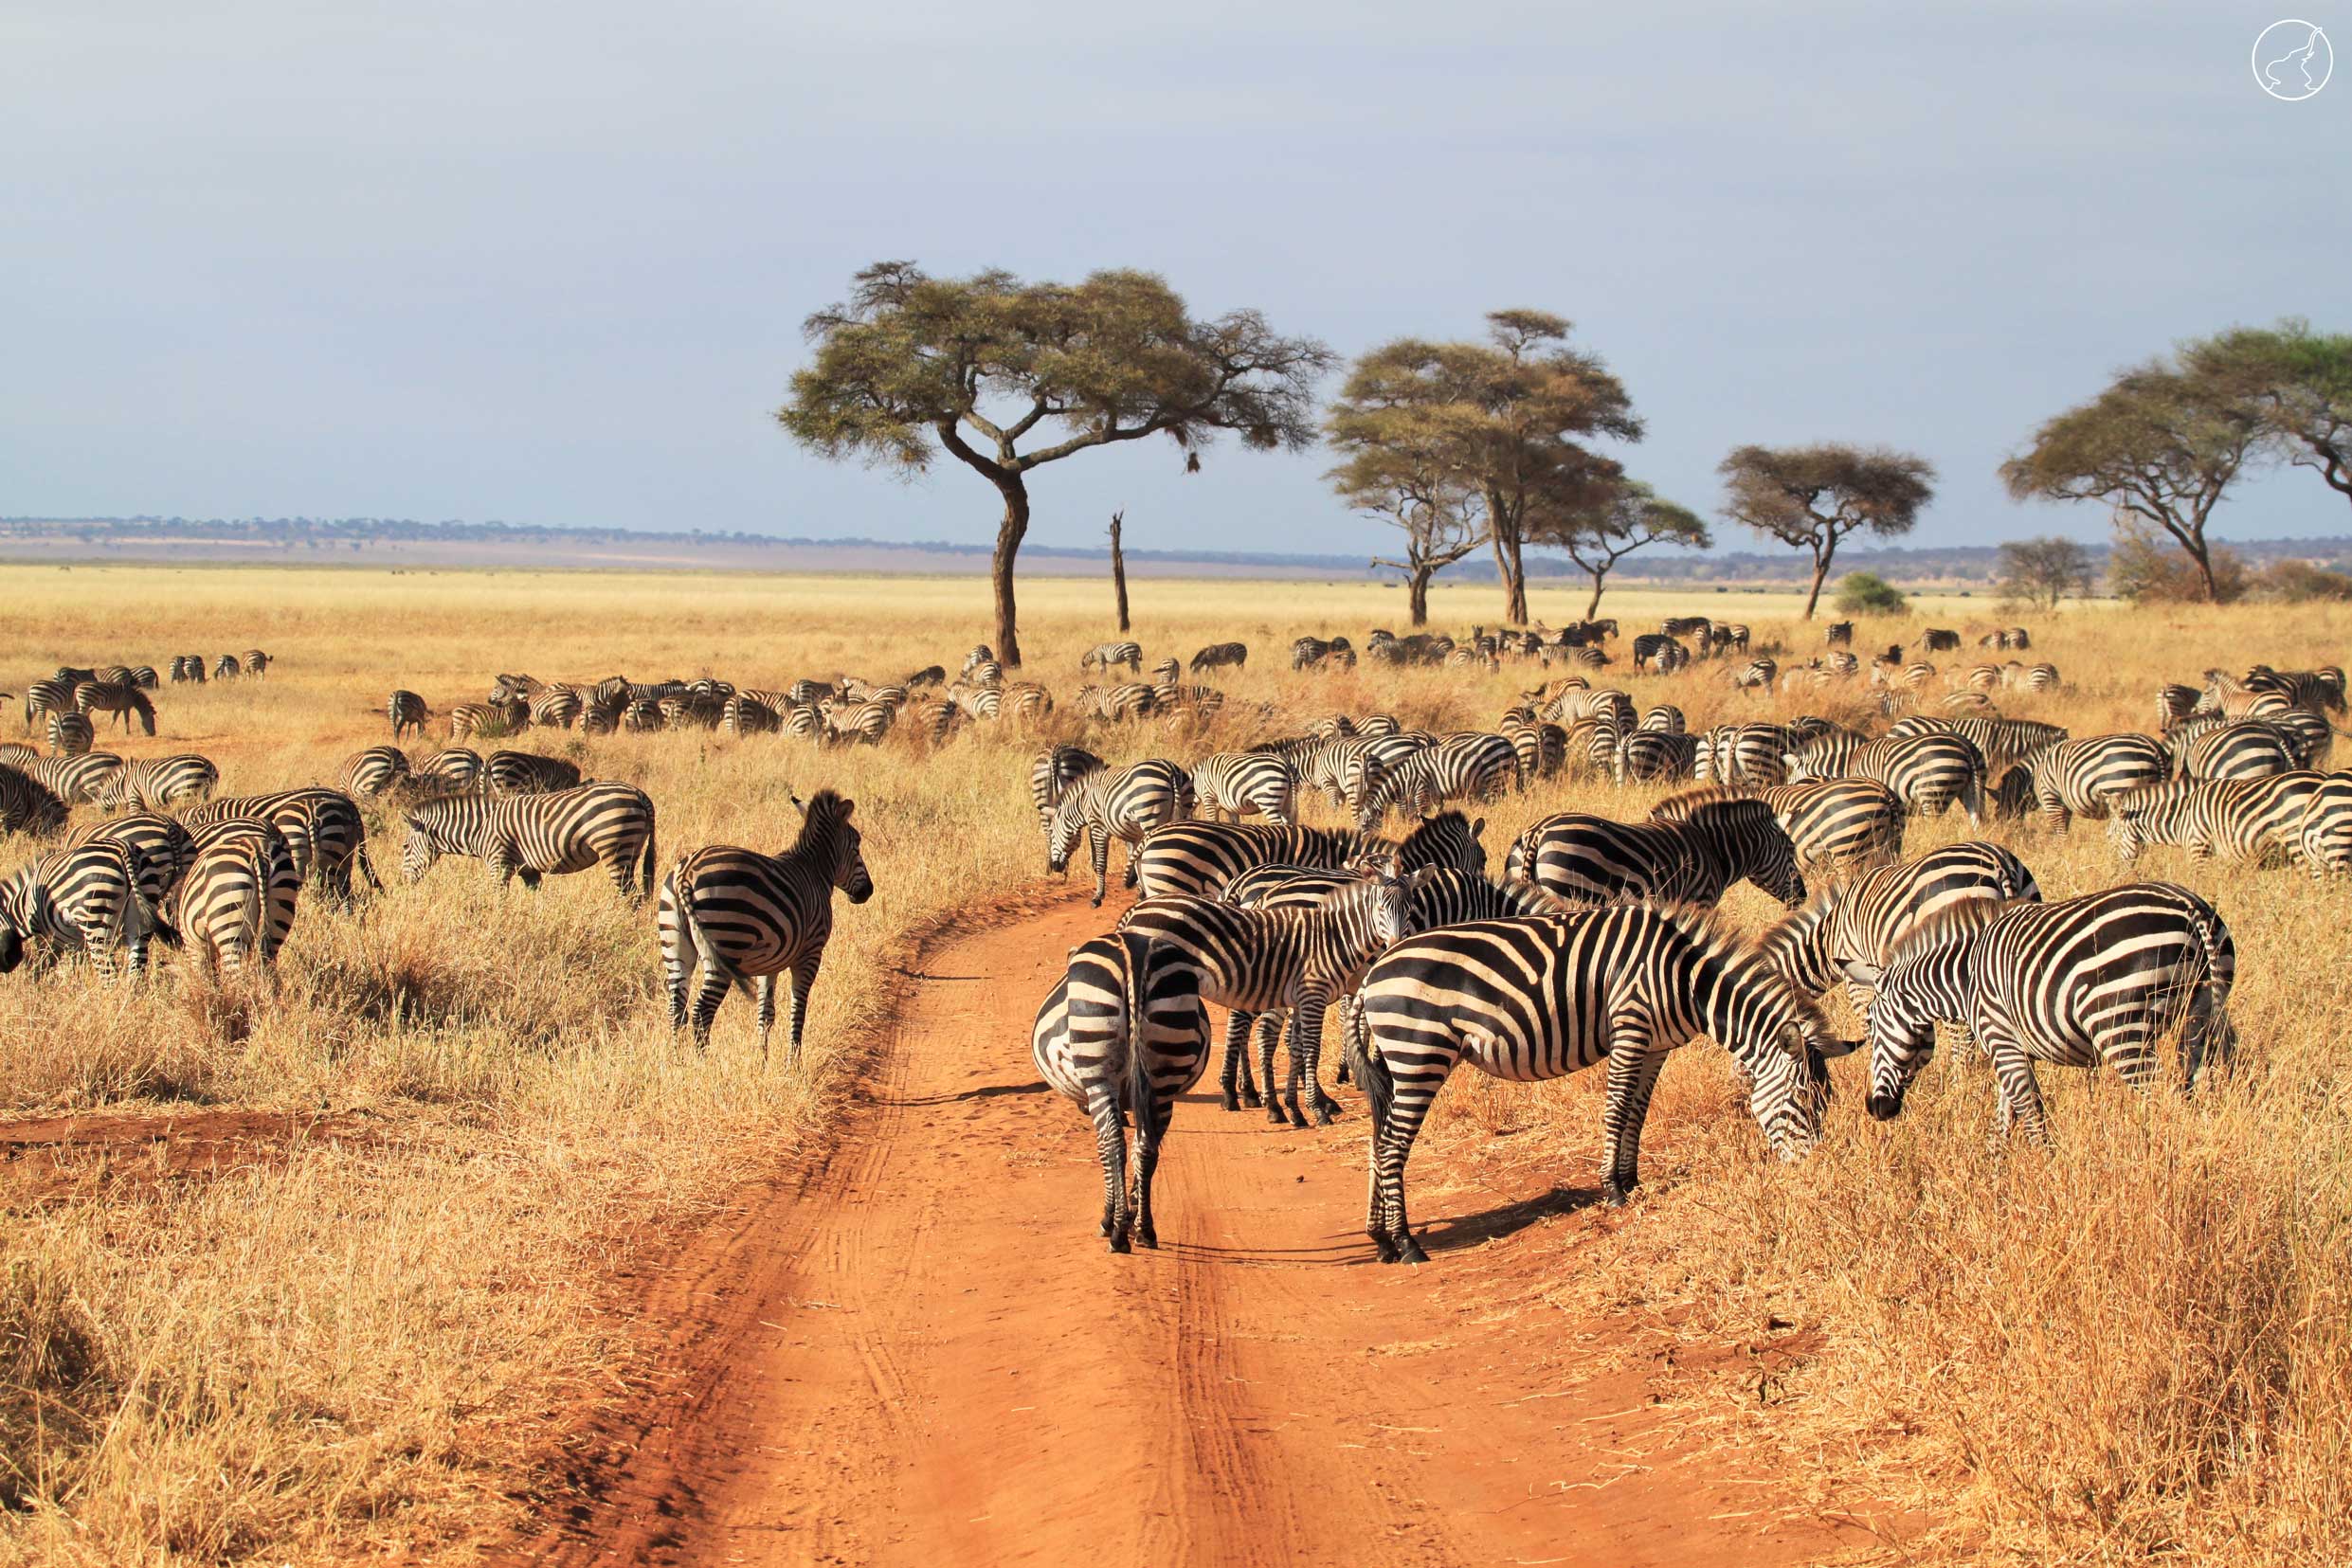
<point>1599,942</point>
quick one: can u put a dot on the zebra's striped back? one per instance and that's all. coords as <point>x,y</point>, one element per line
<point>2229,818</point>
<point>1240,783</point>
<point>70,734</point>
<point>1647,755</point>
<point>2239,751</point>
<point>537,835</point>
<point>374,771</point>
<point>27,805</point>
<point>2324,834</point>
<point>1927,772</point>
<point>457,767</point>
<point>528,773</point>
<point>323,827</point>
<point>1127,803</point>
<point>1742,755</point>
<point>77,780</point>
<point>160,848</point>
<point>1198,858</point>
<point>1591,861</point>
<point>83,899</point>
<point>237,902</point>
<point>2079,778</point>
<point>1862,922</point>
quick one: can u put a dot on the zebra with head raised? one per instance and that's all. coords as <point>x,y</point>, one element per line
<point>1122,1035</point>
<point>1541,996</point>
<point>1862,922</point>
<point>2245,820</point>
<point>83,899</point>
<point>2089,981</point>
<point>1295,960</point>
<point>1589,861</point>
<point>743,917</point>
<point>534,835</point>
<point>1126,805</point>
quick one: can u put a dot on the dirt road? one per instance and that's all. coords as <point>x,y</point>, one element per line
<point>919,1352</point>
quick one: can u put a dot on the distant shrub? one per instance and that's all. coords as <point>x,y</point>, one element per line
<point>1864,593</point>
<point>2146,567</point>
<point>2300,583</point>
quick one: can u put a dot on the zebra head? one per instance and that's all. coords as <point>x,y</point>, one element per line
<point>825,826</point>
<point>2123,832</point>
<point>1063,829</point>
<point>2013,795</point>
<point>420,850</point>
<point>1925,981</point>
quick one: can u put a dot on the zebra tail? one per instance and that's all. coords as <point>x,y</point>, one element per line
<point>1366,1065</point>
<point>2209,1031</point>
<point>646,859</point>
<point>1139,1092</point>
<point>367,867</point>
<point>707,950</point>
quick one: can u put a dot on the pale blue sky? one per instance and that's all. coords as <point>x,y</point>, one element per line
<point>547,261</point>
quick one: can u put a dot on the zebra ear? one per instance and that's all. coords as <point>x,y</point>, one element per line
<point>1830,1050</point>
<point>413,823</point>
<point>1477,827</point>
<point>848,806</point>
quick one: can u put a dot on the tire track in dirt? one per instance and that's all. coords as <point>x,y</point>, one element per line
<point>917,1351</point>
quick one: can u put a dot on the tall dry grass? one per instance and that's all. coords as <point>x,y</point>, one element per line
<point>2132,1345</point>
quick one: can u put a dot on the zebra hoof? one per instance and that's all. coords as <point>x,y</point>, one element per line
<point>1118,1242</point>
<point>1409,1250</point>
<point>1613,1196</point>
<point>1275,1114</point>
<point>1385,1249</point>
<point>1249,1098</point>
<point>1147,1239</point>
<point>1325,1110</point>
<point>1097,901</point>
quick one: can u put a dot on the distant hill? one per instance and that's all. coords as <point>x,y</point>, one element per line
<point>405,542</point>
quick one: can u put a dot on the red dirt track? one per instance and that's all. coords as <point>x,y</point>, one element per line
<point>918,1351</point>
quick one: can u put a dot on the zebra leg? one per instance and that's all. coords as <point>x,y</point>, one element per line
<point>528,878</point>
<point>1350,1017</point>
<point>1392,1234</point>
<point>2021,1094</point>
<point>1633,1076</point>
<point>1100,845</point>
<point>804,981</point>
<point>1307,1058</point>
<point>1134,846</point>
<point>764,1007</point>
<point>1269,1031</point>
<point>1111,1149</point>
<point>707,996</point>
<point>1237,1064</point>
<point>1151,1126</point>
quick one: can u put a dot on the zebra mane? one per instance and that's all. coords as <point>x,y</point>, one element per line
<point>1802,922</point>
<point>1948,925</point>
<point>825,811</point>
<point>1717,942</point>
<point>1678,807</point>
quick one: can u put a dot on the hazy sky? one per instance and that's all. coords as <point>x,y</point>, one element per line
<point>547,261</point>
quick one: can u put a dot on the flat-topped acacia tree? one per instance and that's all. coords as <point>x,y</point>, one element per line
<point>1813,496</point>
<point>984,366</point>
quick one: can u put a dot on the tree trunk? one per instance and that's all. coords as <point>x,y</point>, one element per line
<point>1594,608</point>
<point>1821,574</point>
<point>1118,567</point>
<point>1416,591</point>
<point>1008,536</point>
<point>2204,557</point>
<point>1514,577</point>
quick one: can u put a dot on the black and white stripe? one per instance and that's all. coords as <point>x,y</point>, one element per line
<point>236,905</point>
<point>323,826</point>
<point>1589,861</point>
<point>1109,656</point>
<point>536,836</point>
<point>1200,858</point>
<point>157,784</point>
<point>1750,756</point>
<point>1862,922</point>
<point>2243,749</point>
<point>1127,805</point>
<point>1221,656</point>
<point>2079,778</point>
<point>27,805</point>
<point>118,697</point>
<point>528,773</point>
<point>1238,784</point>
<point>1473,766</point>
<point>161,850</point>
<point>407,712</point>
<point>2245,820</point>
<point>378,771</point>
<point>81,899</point>
<point>1927,773</point>
<point>77,780</point>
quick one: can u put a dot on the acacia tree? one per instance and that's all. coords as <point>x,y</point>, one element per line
<point>977,367</point>
<point>1408,488</point>
<point>1506,417</point>
<point>2300,380</point>
<point>2158,446</point>
<point>2040,572</point>
<point>1632,518</point>
<point>1814,497</point>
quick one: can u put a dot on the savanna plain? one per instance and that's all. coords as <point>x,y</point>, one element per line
<point>342,1272</point>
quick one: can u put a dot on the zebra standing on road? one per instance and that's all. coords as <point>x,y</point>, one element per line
<point>1122,1035</point>
<point>1127,805</point>
<point>407,712</point>
<point>1539,997</point>
<point>1054,770</point>
<point>536,836</point>
<point>2089,981</point>
<point>1865,920</point>
<point>1296,960</point>
<point>1591,861</point>
<point>743,918</point>
<point>82,899</point>
<point>1239,783</point>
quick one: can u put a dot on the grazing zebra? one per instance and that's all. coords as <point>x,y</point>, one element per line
<point>860,724</point>
<point>322,826</point>
<point>1239,783</point>
<point>1664,718</point>
<point>1200,858</point>
<point>1025,702</point>
<point>1743,755</point>
<point>528,773</point>
<point>747,715</point>
<point>226,668</point>
<point>1758,674</point>
<point>378,771</point>
<point>1313,653</point>
<point>1543,749</point>
<point>2175,703</point>
<point>1119,704</point>
<point>1054,770</point>
<point>1730,637</point>
<point>1927,772</point>
<point>2086,981</point>
<point>155,784</point>
<point>237,901</point>
<point>1109,656</point>
<point>1864,920</point>
<point>1471,766</point>
<point>1837,825</point>
<point>1647,755</point>
<point>2227,819</point>
<point>160,848</point>
<point>1127,805</point>
<point>257,663</point>
<point>488,718</point>
<point>1936,639</point>
<point>1221,656</point>
<point>555,708</point>
<point>77,780</point>
<point>2003,744</point>
<point>407,712</point>
<point>27,805</point>
<point>1589,861</point>
<point>70,734</point>
<point>1122,1035</point>
<point>453,768</point>
<point>2244,750</point>
<point>2324,834</point>
<point>2070,779</point>
<point>536,836</point>
<point>1659,650</point>
<point>1295,960</point>
<point>743,917</point>
<point>85,899</point>
<point>17,754</point>
<point>1686,625</point>
<point>2318,690</point>
<point>1537,997</point>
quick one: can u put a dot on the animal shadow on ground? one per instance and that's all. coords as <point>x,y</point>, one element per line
<point>1451,1233</point>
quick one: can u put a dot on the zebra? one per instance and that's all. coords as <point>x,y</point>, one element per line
<point>2085,981</point>
<point>226,668</point>
<point>1835,826</point>
<point>2244,750</point>
<point>161,850</point>
<point>456,768</point>
<point>744,917</point>
<point>2080,778</point>
<point>1687,625</point>
<point>1121,1035</point>
<point>1543,749</point>
<point>1588,861</point>
<point>488,719</point>
<point>2003,742</point>
<point>2318,690</point>
<point>1838,634</point>
<point>2042,678</point>
<point>747,715</point>
<point>1109,656</point>
<point>1742,755</point>
<point>1127,805</point>
<point>1864,920</point>
<point>2175,703</point>
<point>407,712</point>
<point>84,898</point>
<point>47,696</point>
<point>27,805</point>
<point>555,708</point>
<point>1054,770</point>
<point>1167,671</point>
<point>1024,702</point>
<point>322,826</point>
<point>528,773</point>
<point>1540,996</point>
<point>1927,772</point>
<point>1936,639</point>
<point>2231,819</point>
<point>153,783</point>
<point>1664,718</point>
<point>1758,674</point>
<point>77,780</point>
<point>257,663</point>
<point>1728,637</point>
<point>70,734</point>
<point>980,654</point>
<point>1221,656</point>
<point>237,902</point>
<point>858,724</point>
<point>378,771</point>
<point>1313,653</point>
<point>1239,783</point>
<point>1645,756</point>
<point>1468,765</point>
<point>2324,834</point>
<point>1200,858</point>
<point>186,667</point>
<point>1296,960</point>
<point>1659,652</point>
<point>1118,704</point>
<point>534,835</point>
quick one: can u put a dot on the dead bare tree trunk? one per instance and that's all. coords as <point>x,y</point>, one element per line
<point>1118,566</point>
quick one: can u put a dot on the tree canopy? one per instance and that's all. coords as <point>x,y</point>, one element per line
<point>1409,487</point>
<point>2040,572</point>
<point>1814,497</point>
<point>1006,376</point>
<point>1629,517</point>
<point>2299,380</point>
<point>1507,418</point>
<point>2159,446</point>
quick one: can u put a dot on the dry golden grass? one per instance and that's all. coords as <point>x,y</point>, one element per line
<point>2136,1344</point>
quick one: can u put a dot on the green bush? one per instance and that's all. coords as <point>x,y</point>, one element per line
<point>1862,593</point>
